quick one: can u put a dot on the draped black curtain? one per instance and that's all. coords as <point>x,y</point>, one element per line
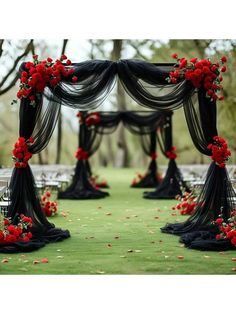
<point>146,83</point>
<point>173,183</point>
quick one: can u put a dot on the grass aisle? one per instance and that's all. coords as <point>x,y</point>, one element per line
<point>117,235</point>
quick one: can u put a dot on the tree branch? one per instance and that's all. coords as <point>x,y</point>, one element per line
<point>17,60</point>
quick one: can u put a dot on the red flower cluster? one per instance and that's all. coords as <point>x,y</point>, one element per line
<point>220,151</point>
<point>10,233</point>
<point>200,73</point>
<point>49,207</point>
<point>153,155</point>
<point>171,154</point>
<point>227,229</point>
<point>39,74</point>
<point>93,118</point>
<point>142,176</point>
<point>187,203</point>
<point>21,154</point>
<point>81,154</point>
<point>98,184</point>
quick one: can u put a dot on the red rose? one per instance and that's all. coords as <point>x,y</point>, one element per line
<point>193,60</point>
<point>74,78</point>
<point>223,59</point>
<point>223,69</point>
<point>68,62</point>
<point>218,237</point>
<point>63,57</point>
<point>233,241</point>
<point>49,60</point>
<point>35,57</point>
<point>174,56</point>
<point>1,235</point>
<point>221,98</point>
<point>219,221</point>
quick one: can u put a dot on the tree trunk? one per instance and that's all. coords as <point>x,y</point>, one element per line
<point>121,105</point>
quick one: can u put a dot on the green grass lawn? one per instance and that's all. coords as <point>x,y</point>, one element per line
<point>118,235</point>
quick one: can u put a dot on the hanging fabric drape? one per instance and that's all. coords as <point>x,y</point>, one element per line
<point>173,182</point>
<point>146,83</point>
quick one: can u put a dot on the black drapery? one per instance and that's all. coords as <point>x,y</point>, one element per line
<point>141,123</point>
<point>173,183</point>
<point>146,83</point>
<point>81,187</point>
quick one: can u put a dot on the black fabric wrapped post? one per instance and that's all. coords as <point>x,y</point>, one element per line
<point>151,178</point>
<point>171,185</point>
<point>217,195</point>
<point>81,186</point>
<point>23,192</point>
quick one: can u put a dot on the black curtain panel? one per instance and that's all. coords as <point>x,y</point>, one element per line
<point>81,186</point>
<point>146,83</point>
<point>173,183</point>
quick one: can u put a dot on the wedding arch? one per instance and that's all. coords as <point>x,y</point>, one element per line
<point>150,126</point>
<point>46,86</point>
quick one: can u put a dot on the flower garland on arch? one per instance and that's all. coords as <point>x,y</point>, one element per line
<point>10,233</point>
<point>220,151</point>
<point>200,73</point>
<point>39,74</point>
<point>21,154</point>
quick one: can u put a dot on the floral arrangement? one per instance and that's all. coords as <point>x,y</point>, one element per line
<point>200,73</point>
<point>21,154</point>
<point>92,118</point>
<point>171,154</point>
<point>81,154</point>
<point>49,207</point>
<point>227,229</point>
<point>98,184</point>
<point>187,203</point>
<point>10,233</point>
<point>140,177</point>
<point>39,74</point>
<point>220,151</point>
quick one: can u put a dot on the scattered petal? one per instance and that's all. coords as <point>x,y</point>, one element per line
<point>156,217</point>
<point>108,214</point>
<point>233,259</point>
<point>137,251</point>
<point>130,251</point>
<point>58,250</point>
<point>44,260</point>
<point>60,256</point>
<point>180,257</point>
<point>123,256</point>
<point>221,253</point>
<point>5,260</point>
<point>109,245</point>
<point>233,269</point>
<point>100,272</point>
<point>116,237</point>
<point>206,256</point>
<point>127,217</point>
<point>181,245</point>
<point>166,256</point>
<point>63,214</point>
<point>36,262</point>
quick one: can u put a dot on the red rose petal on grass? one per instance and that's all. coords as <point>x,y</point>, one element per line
<point>180,257</point>
<point>44,260</point>
<point>233,259</point>
<point>36,262</point>
<point>233,269</point>
<point>5,260</point>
